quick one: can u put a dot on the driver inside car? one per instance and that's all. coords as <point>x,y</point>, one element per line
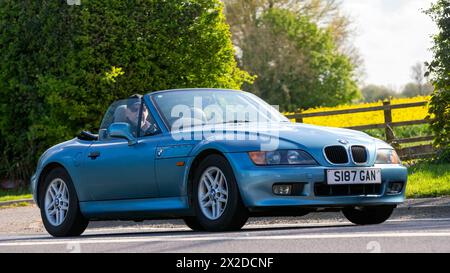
<point>132,115</point>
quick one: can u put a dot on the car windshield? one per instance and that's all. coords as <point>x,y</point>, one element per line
<point>213,107</point>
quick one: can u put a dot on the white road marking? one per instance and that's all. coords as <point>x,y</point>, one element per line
<point>232,237</point>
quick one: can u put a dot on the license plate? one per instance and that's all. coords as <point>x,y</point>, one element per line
<point>354,176</point>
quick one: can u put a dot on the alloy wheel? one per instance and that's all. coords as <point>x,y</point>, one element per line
<point>213,193</point>
<point>56,202</point>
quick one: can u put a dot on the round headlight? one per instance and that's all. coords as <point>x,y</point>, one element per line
<point>293,157</point>
<point>273,158</point>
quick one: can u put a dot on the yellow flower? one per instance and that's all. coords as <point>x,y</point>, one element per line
<point>366,118</point>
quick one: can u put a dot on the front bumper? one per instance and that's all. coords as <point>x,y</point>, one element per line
<point>255,185</point>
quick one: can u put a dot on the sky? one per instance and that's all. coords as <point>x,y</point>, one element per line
<point>391,36</point>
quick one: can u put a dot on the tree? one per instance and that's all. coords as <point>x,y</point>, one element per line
<point>297,63</point>
<point>421,85</point>
<point>373,93</point>
<point>439,70</point>
<point>61,65</point>
<point>413,89</point>
<point>242,15</point>
<point>418,74</point>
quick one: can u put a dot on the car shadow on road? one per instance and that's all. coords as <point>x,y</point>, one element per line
<point>168,232</point>
<point>204,233</point>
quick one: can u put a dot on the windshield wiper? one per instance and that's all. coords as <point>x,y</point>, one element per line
<point>236,121</point>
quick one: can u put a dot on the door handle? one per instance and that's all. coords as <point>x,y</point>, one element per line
<point>94,155</point>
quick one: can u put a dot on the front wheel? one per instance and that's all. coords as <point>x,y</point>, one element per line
<point>193,223</point>
<point>60,211</point>
<point>368,215</point>
<point>216,199</point>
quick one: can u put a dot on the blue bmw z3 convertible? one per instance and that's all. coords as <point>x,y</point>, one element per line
<point>213,158</point>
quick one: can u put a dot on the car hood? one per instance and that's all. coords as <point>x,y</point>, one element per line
<point>288,134</point>
<point>319,136</point>
<point>245,137</point>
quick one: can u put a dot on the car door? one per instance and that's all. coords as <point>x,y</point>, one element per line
<point>115,170</point>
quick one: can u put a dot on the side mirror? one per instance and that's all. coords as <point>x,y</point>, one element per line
<point>122,130</point>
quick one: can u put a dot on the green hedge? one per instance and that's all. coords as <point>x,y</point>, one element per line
<point>439,69</point>
<point>61,66</point>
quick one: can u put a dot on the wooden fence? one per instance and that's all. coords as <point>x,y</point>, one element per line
<point>406,153</point>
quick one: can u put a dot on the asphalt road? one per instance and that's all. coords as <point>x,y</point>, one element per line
<point>327,233</point>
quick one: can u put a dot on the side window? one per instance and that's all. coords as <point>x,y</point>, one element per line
<point>121,111</point>
<point>148,124</point>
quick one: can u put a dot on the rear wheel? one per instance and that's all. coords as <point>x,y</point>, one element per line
<point>368,215</point>
<point>59,207</point>
<point>217,202</point>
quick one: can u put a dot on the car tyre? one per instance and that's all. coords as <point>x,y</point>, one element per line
<point>193,224</point>
<point>368,215</point>
<point>229,215</point>
<point>61,215</point>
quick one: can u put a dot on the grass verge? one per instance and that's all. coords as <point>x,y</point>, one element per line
<point>16,205</point>
<point>428,180</point>
<point>16,194</point>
